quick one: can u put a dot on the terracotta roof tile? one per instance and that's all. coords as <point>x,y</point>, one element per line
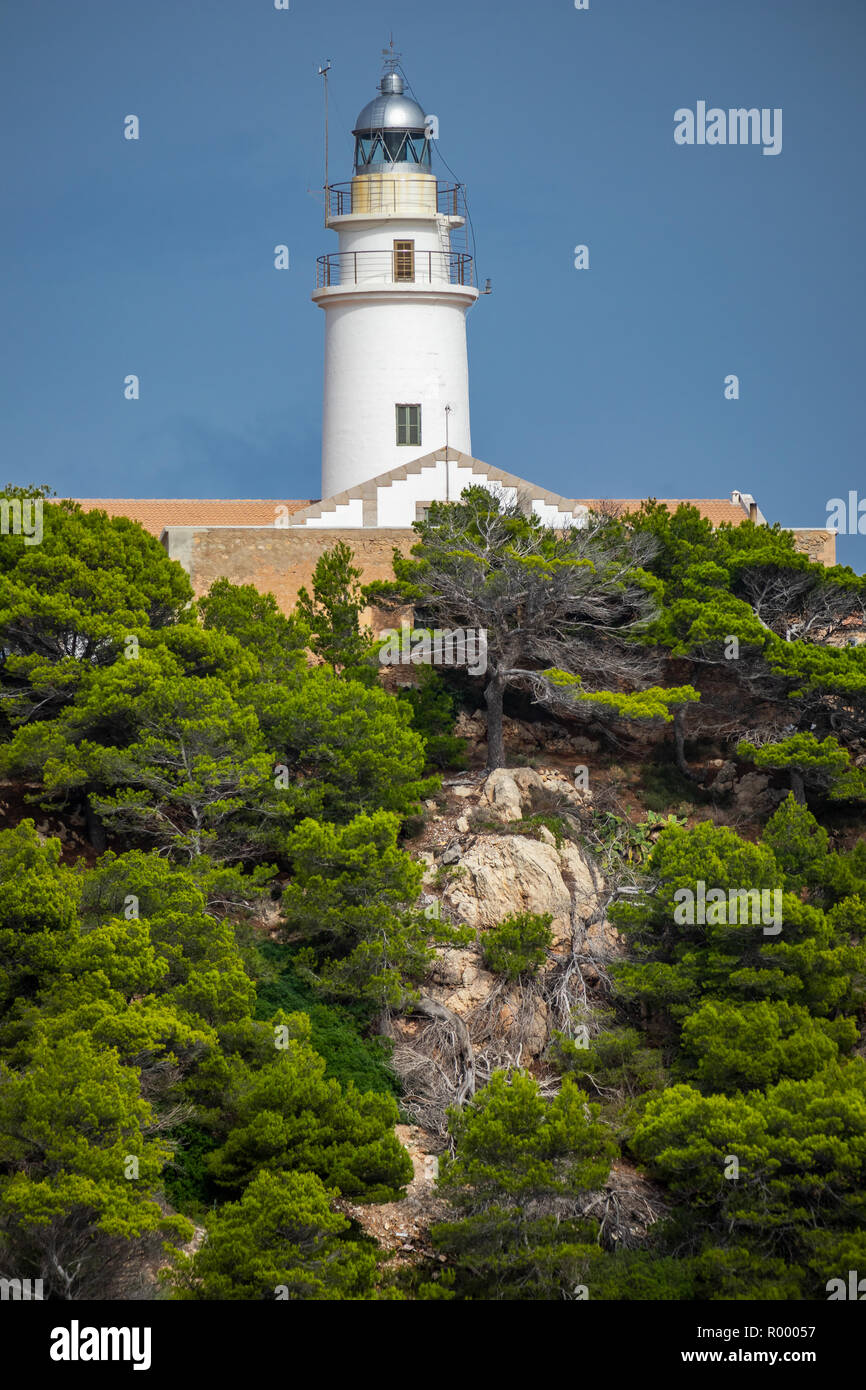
<point>156,513</point>
<point>715,509</point>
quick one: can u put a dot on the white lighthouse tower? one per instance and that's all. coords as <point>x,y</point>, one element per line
<point>395,298</point>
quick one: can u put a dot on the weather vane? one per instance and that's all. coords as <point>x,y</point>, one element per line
<point>392,59</point>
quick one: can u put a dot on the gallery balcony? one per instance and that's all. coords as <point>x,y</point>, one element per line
<point>381,195</point>
<point>366,269</point>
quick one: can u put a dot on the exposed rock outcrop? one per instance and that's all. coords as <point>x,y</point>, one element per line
<point>478,877</point>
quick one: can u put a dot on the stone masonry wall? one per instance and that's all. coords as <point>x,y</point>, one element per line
<point>278,561</point>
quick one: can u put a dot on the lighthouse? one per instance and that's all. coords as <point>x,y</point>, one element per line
<point>395,297</point>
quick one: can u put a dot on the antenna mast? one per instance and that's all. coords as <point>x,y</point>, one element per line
<point>323,73</point>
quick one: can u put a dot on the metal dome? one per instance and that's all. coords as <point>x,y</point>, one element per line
<point>391,109</point>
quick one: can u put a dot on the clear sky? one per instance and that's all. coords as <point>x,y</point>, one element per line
<point>155,256</point>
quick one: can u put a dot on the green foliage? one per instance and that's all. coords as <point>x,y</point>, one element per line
<point>518,945</point>
<point>843,876</point>
<point>799,844</point>
<point>641,1276</point>
<point>512,1144</point>
<point>204,973</point>
<point>43,490</point>
<point>351,897</point>
<point>333,1030</point>
<point>801,1146</point>
<point>735,1047</point>
<point>276,642</point>
<point>200,781</point>
<point>823,763</point>
<point>280,1241</point>
<point>559,607</point>
<point>289,1115</point>
<point>714,1275</point>
<point>763,1027</point>
<point>656,702</point>
<point>515,1150</point>
<point>560,828</point>
<point>812,960</point>
<point>788,615</point>
<point>434,709</point>
<point>499,1254</point>
<point>332,612</point>
<point>615,1062</point>
<point>348,749</point>
<point>69,1126</point>
<point>38,912</point>
<point>68,605</point>
<point>187,1182</point>
<point>618,837</point>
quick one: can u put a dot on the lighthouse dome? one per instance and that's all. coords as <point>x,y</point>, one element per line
<point>391,130</point>
<point>391,109</point>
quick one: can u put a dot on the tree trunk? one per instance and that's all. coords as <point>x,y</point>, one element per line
<point>797,786</point>
<point>429,1008</point>
<point>493,696</point>
<point>680,742</point>
<point>95,828</point>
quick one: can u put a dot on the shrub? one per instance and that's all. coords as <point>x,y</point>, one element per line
<point>333,1032</point>
<point>664,788</point>
<point>615,1060</point>
<point>519,944</point>
<point>434,708</point>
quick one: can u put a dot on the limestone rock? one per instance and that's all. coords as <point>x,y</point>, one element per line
<point>602,941</point>
<point>725,777</point>
<point>584,745</point>
<point>505,874</point>
<point>509,791</point>
<point>460,981</point>
<point>534,1029</point>
<point>582,880</point>
<point>754,797</point>
<point>471,725</point>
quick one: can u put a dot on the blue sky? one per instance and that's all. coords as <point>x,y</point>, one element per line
<point>155,257</point>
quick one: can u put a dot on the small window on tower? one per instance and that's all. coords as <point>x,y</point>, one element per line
<point>408,424</point>
<point>404,260</point>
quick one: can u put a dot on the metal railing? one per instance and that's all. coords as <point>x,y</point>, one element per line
<point>394,195</point>
<point>391,268</point>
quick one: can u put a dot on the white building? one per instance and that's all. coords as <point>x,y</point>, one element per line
<point>395,297</point>
<point>396,433</point>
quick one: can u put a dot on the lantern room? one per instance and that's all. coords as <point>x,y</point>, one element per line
<point>391,131</point>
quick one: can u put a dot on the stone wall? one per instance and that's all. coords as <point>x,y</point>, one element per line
<point>818,543</point>
<point>277,561</point>
<point>280,560</point>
